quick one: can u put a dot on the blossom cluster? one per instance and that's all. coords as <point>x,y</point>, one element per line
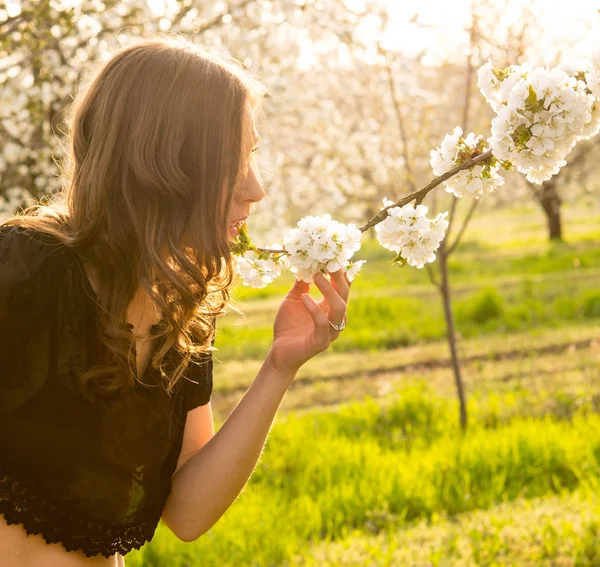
<point>478,180</point>
<point>541,114</point>
<point>316,244</point>
<point>592,77</point>
<point>407,231</point>
<point>320,243</point>
<point>258,270</point>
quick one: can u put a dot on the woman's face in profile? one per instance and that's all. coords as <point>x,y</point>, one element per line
<point>248,190</point>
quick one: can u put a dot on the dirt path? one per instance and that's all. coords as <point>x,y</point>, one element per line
<point>325,391</point>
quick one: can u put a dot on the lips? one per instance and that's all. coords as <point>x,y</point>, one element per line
<point>234,226</point>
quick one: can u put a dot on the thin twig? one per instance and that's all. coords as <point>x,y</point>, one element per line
<point>381,215</point>
<point>432,277</point>
<point>272,251</point>
<point>447,250</point>
<point>400,121</point>
<point>451,214</point>
<point>463,228</point>
<point>217,19</point>
<point>12,23</point>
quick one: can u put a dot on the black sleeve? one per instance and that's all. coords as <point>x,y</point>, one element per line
<point>25,305</point>
<point>199,390</point>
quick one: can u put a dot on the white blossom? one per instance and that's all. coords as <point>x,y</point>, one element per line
<point>354,268</point>
<point>476,181</point>
<point>592,77</point>
<point>320,243</point>
<point>496,84</point>
<point>541,114</point>
<point>258,273</point>
<point>407,231</point>
<point>592,128</point>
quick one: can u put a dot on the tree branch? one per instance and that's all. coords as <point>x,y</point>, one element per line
<point>12,23</point>
<point>217,19</point>
<point>421,193</point>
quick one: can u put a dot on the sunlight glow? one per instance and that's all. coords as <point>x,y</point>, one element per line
<point>569,27</point>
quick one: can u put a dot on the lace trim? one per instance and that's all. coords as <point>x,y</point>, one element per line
<point>22,502</point>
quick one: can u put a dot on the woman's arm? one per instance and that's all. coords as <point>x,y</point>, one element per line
<point>208,483</point>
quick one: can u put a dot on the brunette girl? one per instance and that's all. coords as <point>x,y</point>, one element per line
<point>109,295</point>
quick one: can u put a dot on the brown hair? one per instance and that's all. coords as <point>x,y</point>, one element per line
<point>157,145</point>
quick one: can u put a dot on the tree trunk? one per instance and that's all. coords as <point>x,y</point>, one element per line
<point>550,201</point>
<point>451,334</point>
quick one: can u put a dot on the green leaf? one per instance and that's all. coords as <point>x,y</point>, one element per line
<point>532,103</point>
<point>399,260</point>
<point>242,242</point>
<point>521,135</point>
<point>500,74</point>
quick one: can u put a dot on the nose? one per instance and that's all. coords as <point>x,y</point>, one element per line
<point>252,189</point>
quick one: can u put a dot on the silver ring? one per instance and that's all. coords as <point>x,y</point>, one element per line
<point>338,327</point>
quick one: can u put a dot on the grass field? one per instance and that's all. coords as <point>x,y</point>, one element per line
<point>365,464</point>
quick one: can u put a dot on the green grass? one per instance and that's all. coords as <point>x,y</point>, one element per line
<point>545,532</point>
<point>379,322</point>
<point>322,475</point>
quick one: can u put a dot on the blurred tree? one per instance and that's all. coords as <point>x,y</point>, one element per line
<point>573,177</point>
<point>46,48</point>
<point>49,47</point>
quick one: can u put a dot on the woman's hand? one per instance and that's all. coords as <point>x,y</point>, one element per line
<point>302,328</point>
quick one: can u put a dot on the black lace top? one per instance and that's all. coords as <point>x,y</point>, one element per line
<point>91,473</point>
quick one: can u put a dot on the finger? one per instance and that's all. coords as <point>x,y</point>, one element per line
<point>298,289</point>
<point>340,284</point>
<point>321,330</point>
<point>337,305</point>
<point>347,280</point>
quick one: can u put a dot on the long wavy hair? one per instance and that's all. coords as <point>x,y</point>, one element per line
<point>158,140</point>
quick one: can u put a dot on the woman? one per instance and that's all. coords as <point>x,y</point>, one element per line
<point>108,301</point>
